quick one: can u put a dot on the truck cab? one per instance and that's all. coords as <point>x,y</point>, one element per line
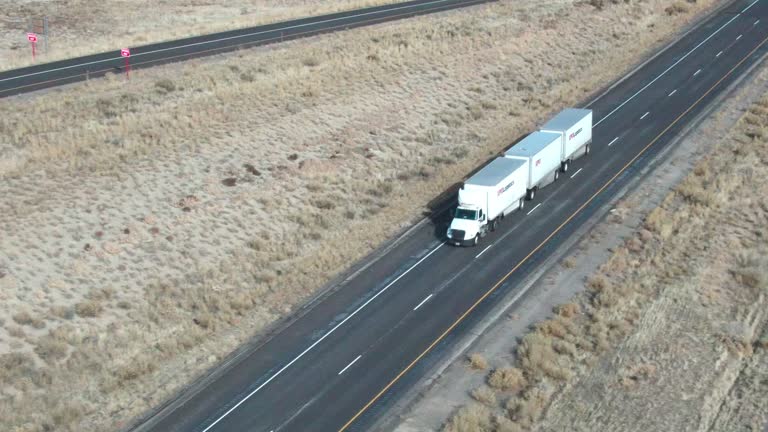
<point>468,225</point>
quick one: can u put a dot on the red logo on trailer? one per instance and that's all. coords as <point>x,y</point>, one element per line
<point>538,162</point>
<point>125,52</point>
<point>32,37</point>
<point>573,135</point>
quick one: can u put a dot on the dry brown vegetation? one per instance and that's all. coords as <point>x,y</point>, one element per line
<point>477,361</point>
<point>152,226</point>
<point>84,27</point>
<point>672,325</point>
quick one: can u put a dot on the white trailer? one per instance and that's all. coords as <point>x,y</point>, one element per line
<point>575,129</point>
<point>485,198</point>
<point>542,152</point>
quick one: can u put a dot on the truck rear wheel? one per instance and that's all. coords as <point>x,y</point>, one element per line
<point>557,175</point>
<point>495,224</point>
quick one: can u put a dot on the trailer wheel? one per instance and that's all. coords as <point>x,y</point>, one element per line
<point>557,175</point>
<point>522,203</point>
<point>586,150</point>
<point>565,167</point>
<point>531,194</point>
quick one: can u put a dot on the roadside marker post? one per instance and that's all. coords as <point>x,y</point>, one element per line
<point>126,54</point>
<point>32,38</point>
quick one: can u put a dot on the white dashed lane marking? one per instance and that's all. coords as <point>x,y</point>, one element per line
<point>534,209</point>
<point>478,255</point>
<point>350,365</point>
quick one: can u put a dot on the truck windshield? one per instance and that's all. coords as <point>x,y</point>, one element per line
<point>466,214</point>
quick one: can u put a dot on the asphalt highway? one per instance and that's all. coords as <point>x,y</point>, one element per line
<point>62,72</point>
<point>341,365</point>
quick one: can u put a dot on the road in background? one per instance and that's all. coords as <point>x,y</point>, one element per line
<point>62,72</point>
<point>342,364</point>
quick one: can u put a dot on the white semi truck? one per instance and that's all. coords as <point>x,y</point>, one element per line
<point>541,150</point>
<point>485,198</point>
<point>502,186</point>
<point>575,129</point>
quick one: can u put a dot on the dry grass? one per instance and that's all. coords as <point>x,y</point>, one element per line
<point>88,309</point>
<point>25,318</point>
<point>477,361</point>
<point>568,310</point>
<point>507,379</point>
<point>538,357</point>
<point>527,409</point>
<point>471,418</point>
<point>167,219</point>
<point>677,8</point>
<point>80,28</point>
<point>485,395</point>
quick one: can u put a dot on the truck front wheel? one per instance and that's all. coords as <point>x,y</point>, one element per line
<point>475,240</point>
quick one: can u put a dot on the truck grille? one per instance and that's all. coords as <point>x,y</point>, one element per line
<point>458,234</point>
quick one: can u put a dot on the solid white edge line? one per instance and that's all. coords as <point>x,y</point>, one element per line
<point>279,372</point>
<point>218,40</point>
<point>645,115</point>
<point>537,206</point>
<point>697,72</point>
<point>739,37</point>
<point>669,68</point>
<point>425,300</point>
<point>348,366</point>
<point>478,255</point>
<point>718,54</point>
<point>574,174</point>
<point>613,141</point>
<point>673,92</point>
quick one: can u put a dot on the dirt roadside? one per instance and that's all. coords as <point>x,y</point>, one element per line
<point>582,404</point>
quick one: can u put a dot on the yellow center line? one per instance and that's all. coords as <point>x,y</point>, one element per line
<point>505,277</point>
